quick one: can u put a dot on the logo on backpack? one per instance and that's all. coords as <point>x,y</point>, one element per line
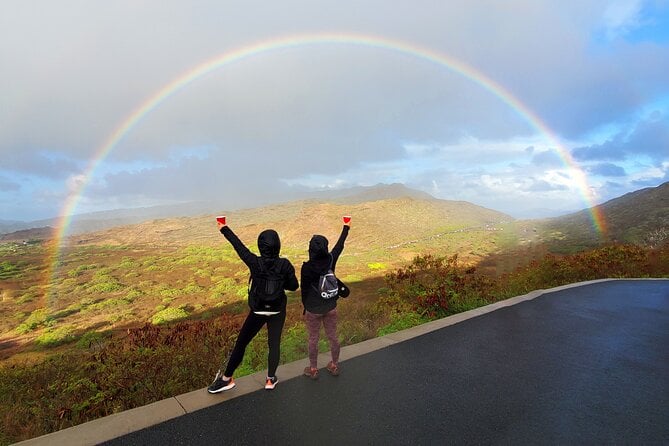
<point>266,289</point>
<point>328,285</point>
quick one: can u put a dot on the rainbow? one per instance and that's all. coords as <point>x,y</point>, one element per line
<point>309,40</point>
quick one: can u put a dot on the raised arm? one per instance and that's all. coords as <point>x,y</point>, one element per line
<point>339,246</point>
<point>243,252</point>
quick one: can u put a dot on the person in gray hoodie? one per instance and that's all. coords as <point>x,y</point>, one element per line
<point>317,310</point>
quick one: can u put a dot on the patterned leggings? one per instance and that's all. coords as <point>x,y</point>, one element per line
<point>329,321</point>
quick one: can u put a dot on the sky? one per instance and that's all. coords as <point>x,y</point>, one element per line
<point>530,107</point>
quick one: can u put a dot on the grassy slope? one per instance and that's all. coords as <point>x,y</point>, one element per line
<point>182,267</point>
<point>631,218</point>
<point>174,268</point>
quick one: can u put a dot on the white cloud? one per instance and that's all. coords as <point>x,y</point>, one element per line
<point>76,182</point>
<point>621,16</point>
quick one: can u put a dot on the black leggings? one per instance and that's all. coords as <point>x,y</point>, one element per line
<point>250,329</point>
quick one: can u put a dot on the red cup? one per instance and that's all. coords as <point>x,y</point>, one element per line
<point>347,219</point>
<point>221,219</point>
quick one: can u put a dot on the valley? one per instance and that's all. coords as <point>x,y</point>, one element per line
<point>171,269</point>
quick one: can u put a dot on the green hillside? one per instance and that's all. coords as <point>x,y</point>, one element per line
<point>182,268</point>
<point>640,217</point>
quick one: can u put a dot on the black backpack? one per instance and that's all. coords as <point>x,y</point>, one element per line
<point>266,289</point>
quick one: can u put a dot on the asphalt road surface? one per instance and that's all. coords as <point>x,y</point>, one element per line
<point>587,365</point>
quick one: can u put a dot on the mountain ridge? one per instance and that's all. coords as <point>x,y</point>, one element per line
<point>380,224</point>
<point>101,220</point>
<point>634,217</point>
<point>631,218</point>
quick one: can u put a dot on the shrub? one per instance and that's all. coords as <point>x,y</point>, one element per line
<point>121,316</point>
<point>132,294</point>
<point>27,297</point>
<point>9,270</point>
<point>106,287</point>
<point>53,337</point>
<point>91,338</point>
<point>438,286</point>
<point>400,322</point>
<point>103,282</point>
<point>146,365</point>
<point>619,261</point>
<point>201,272</point>
<point>79,270</point>
<point>192,288</point>
<point>352,278</point>
<point>36,319</point>
<point>108,303</point>
<point>169,315</point>
<point>223,286</point>
<point>170,292</point>
<point>128,263</point>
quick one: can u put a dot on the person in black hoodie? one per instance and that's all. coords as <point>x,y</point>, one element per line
<point>269,246</point>
<point>317,310</point>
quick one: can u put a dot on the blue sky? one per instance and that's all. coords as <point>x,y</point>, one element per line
<point>276,125</point>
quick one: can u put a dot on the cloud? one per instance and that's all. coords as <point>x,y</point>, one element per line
<point>651,176</point>
<point>547,158</point>
<point>327,114</point>
<point>649,137</point>
<point>214,177</point>
<point>43,164</point>
<point>612,149</point>
<point>521,188</point>
<point>607,170</point>
<point>8,185</point>
<point>636,21</point>
<point>538,185</point>
<point>649,182</point>
<point>621,16</point>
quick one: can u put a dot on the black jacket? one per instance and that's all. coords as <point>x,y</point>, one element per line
<point>318,263</point>
<point>269,246</point>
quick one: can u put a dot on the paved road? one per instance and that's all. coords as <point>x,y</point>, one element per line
<point>588,365</point>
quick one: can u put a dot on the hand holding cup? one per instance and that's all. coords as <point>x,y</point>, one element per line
<point>220,220</point>
<point>347,220</point>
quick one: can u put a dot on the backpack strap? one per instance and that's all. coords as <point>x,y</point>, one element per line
<point>262,269</point>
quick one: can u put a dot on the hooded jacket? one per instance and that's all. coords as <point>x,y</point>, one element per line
<point>318,263</point>
<point>269,246</point>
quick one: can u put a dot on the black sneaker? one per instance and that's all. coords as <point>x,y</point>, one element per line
<point>220,384</point>
<point>271,382</point>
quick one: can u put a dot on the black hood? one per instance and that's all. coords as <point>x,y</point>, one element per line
<point>318,247</point>
<point>269,244</point>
